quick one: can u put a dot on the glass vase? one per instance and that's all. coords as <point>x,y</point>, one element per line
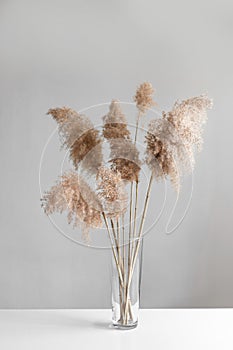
<point>126,281</point>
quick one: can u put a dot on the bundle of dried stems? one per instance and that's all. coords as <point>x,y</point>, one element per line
<point>170,148</point>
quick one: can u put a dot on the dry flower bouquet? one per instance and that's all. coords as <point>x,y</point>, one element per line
<point>170,142</point>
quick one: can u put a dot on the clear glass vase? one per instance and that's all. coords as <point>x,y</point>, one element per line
<point>126,281</point>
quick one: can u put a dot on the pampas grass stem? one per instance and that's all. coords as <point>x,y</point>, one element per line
<point>130,274</point>
<point>113,250</point>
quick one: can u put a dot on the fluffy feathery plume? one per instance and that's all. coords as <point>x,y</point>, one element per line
<point>188,118</point>
<point>112,192</point>
<point>143,97</point>
<point>163,148</point>
<point>124,154</point>
<point>72,194</point>
<point>89,143</point>
<point>129,170</point>
<point>125,159</point>
<point>61,115</point>
<point>79,136</point>
<point>115,123</point>
<point>171,140</point>
<point>93,159</point>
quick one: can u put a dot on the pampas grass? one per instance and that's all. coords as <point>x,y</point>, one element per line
<point>171,143</point>
<point>73,195</point>
<point>79,137</point>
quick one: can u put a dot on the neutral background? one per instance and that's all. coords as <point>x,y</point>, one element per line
<point>79,53</point>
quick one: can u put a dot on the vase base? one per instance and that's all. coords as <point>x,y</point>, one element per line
<point>125,326</point>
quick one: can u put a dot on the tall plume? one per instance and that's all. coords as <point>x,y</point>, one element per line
<point>124,155</point>
<point>143,97</point>
<point>172,139</point>
<point>73,195</point>
<point>79,136</point>
<point>115,123</point>
<point>188,118</point>
<point>111,192</point>
<point>161,151</point>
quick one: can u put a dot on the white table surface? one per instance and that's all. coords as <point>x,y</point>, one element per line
<point>160,329</point>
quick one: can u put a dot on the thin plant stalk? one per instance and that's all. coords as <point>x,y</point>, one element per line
<point>115,237</point>
<point>113,251</point>
<point>131,196</point>
<point>137,124</point>
<point>123,239</point>
<point>130,225</point>
<point>117,245</point>
<point>143,219</point>
<point>124,271</point>
<point>136,187</point>
<point>135,217</point>
<point>130,274</point>
<point>130,244</point>
<point>121,289</point>
<point>121,285</point>
<point>118,233</point>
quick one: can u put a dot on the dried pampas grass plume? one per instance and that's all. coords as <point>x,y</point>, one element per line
<point>112,192</point>
<point>115,123</point>
<point>143,97</point>
<point>172,140</point>
<point>73,195</point>
<point>188,118</point>
<point>82,146</point>
<point>129,170</point>
<point>124,154</point>
<point>162,152</point>
<point>79,136</point>
<point>61,115</point>
<point>125,159</point>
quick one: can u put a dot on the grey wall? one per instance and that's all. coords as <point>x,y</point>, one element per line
<point>80,53</point>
